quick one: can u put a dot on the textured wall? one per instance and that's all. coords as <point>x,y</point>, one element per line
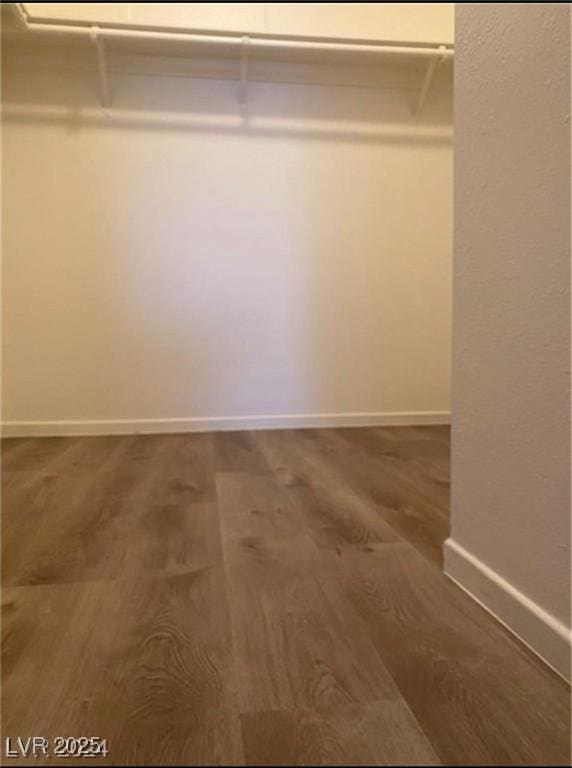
<point>511,406</point>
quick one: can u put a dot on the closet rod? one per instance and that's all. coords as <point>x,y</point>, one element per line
<point>277,43</point>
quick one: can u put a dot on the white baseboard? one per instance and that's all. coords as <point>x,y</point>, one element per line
<point>540,631</point>
<point>219,423</point>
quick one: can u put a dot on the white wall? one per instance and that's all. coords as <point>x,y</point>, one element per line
<point>176,261</point>
<point>413,22</point>
<point>510,544</point>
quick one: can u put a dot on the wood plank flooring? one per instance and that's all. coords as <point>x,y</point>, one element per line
<point>258,598</point>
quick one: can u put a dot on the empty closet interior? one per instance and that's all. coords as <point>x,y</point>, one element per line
<point>227,530</point>
<point>226,216</point>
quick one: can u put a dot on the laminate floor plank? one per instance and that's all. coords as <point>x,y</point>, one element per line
<point>33,453</point>
<point>334,514</point>
<point>415,461</point>
<point>145,664</point>
<point>175,523</point>
<point>453,663</point>
<point>236,452</point>
<point>77,529</point>
<point>404,507</point>
<point>148,502</point>
<point>12,447</point>
<point>383,733</point>
<point>293,645</point>
<point>51,455</point>
<point>268,597</point>
<point>46,520</point>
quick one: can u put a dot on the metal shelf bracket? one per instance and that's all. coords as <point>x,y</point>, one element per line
<point>427,80</point>
<point>101,67</point>
<point>243,85</point>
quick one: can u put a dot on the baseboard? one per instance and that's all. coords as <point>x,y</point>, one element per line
<point>541,632</point>
<point>220,423</point>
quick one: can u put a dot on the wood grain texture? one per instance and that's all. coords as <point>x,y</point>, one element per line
<point>399,498</point>
<point>453,663</point>
<point>256,598</point>
<point>146,664</point>
<point>382,733</point>
<point>291,640</point>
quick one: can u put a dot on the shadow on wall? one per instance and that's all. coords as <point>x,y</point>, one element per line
<point>374,104</point>
<point>186,261</point>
